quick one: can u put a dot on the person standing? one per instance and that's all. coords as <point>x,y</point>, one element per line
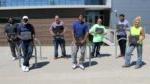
<point>136,37</point>
<point>98,31</point>
<point>80,35</point>
<point>122,27</point>
<point>57,30</point>
<point>27,34</point>
<point>11,35</point>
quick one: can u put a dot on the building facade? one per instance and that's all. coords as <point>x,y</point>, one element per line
<point>132,8</point>
<point>92,9</point>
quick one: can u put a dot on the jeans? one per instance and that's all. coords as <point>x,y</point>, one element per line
<point>122,44</point>
<point>129,52</point>
<point>14,47</point>
<point>27,48</point>
<point>57,42</point>
<point>75,49</point>
<point>96,48</point>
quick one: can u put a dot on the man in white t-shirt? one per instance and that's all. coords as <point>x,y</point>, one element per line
<point>122,27</point>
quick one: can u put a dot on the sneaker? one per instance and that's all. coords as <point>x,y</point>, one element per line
<point>81,66</point>
<point>23,68</point>
<point>74,66</point>
<point>14,58</point>
<point>126,65</point>
<point>27,69</point>
<point>137,66</point>
<point>98,55</point>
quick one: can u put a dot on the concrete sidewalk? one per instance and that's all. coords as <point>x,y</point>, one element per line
<point>104,70</point>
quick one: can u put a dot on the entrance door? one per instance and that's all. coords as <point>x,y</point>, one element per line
<point>92,16</point>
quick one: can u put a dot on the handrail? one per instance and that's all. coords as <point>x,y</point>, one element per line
<point>40,45</point>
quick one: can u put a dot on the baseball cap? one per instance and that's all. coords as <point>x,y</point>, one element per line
<point>25,17</point>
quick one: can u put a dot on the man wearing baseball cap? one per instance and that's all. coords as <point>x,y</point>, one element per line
<point>26,33</point>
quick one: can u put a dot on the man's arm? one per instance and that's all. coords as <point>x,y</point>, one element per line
<point>105,30</point>
<point>6,31</point>
<point>127,26</point>
<point>92,30</point>
<point>86,35</point>
<point>142,37</point>
<point>72,32</point>
<point>64,30</point>
<point>85,38</point>
<point>51,31</point>
<point>33,31</point>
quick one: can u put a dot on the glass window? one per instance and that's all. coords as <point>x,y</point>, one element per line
<point>10,3</point>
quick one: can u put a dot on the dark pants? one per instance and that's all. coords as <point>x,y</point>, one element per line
<point>61,42</point>
<point>122,44</point>
<point>14,47</point>
<point>96,48</point>
<point>27,47</point>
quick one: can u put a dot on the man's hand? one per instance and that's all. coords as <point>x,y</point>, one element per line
<point>82,41</point>
<point>10,39</point>
<point>62,34</point>
<point>139,41</point>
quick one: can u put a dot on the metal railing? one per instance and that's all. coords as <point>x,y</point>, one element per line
<point>36,43</point>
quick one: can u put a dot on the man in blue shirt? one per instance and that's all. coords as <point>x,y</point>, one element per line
<point>80,34</point>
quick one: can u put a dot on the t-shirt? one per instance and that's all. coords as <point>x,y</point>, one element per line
<point>11,30</point>
<point>26,31</point>
<point>121,27</point>
<point>57,28</point>
<point>97,37</point>
<point>80,29</point>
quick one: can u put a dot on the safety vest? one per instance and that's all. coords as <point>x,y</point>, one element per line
<point>135,31</point>
<point>135,35</point>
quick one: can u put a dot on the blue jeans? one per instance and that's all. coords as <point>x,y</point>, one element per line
<point>61,42</point>
<point>27,47</point>
<point>129,52</point>
<point>96,48</point>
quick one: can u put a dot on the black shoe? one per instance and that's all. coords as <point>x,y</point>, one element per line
<point>126,65</point>
<point>97,55</point>
<point>63,56</point>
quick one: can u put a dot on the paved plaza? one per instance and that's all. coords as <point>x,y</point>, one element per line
<point>104,70</point>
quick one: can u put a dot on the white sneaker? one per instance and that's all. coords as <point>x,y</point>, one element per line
<point>74,66</point>
<point>23,68</point>
<point>13,58</point>
<point>27,69</point>
<point>81,66</point>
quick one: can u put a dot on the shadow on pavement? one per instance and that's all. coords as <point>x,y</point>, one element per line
<point>39,65</point>
<point>93,63</point>
<point>105,55</point>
